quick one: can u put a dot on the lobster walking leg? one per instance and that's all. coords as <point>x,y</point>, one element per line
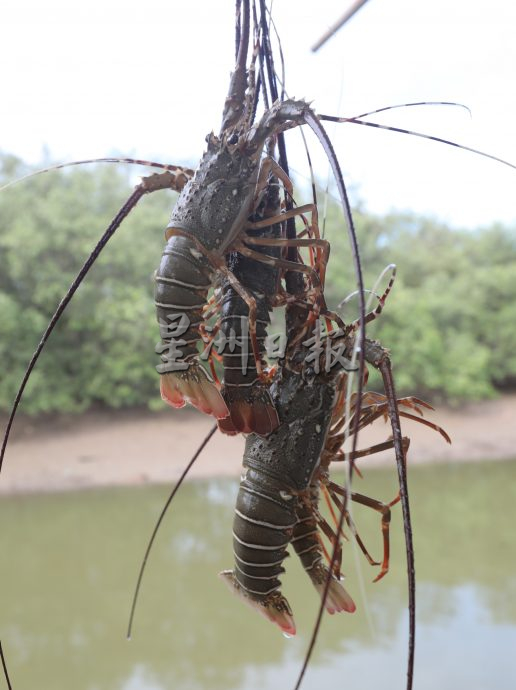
<point>385,511</point>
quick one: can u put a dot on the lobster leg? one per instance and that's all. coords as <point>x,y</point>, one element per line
<point>292,213</point>
<point>377,448</point>
<point>270,167</point>
<point>380,507</point>
<point>323,245</point>
<point>319,307</point>
<point>351,524</point>
<point>330,496</point>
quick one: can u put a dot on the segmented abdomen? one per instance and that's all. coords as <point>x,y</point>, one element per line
<point>278,496</point>
<point>277,469</point>
<point>245,392</point>
<point>240,366</point>
<point>262,530</point>
<point>305,539</point>
<point>182,283</point>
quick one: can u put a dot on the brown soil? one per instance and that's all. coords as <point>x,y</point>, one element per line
<point>129,448</point>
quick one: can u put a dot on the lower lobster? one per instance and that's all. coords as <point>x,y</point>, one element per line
<point>285,473</point>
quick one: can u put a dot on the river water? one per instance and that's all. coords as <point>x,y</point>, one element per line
<point>69,564</point>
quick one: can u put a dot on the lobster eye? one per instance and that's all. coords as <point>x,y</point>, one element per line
<point>233,139</point>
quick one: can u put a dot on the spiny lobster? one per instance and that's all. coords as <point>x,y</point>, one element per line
<point>232,181</point>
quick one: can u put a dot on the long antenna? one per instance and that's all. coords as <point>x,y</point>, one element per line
<point>158,524</point>
<point>338,24</point>
<point>126,208</point>
<point>388,382</point>
<point>4,666</point>
<point>313,122</point>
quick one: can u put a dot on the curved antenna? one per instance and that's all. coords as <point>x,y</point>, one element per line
<point>349,297</point>
<point>158,524</point>
<point>291,284</point>
<point>357,4</point>
<point>319,131</point>
<point>129,161</point>
<point>115,223</point>
<point>371,315</point>
<point>388,382</point>
<point>4,666</point>
<point>412,105</point>
<point>411,132</point>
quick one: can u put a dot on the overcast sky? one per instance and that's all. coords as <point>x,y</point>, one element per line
<point>90,79</point>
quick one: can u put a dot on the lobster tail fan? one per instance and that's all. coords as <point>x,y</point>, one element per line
<point>250,410</point>
<point>337,598</point>
<point>194,386</point>
<point>274,608</point>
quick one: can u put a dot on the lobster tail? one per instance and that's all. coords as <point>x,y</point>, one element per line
<point>245,389</point>
<point>262,529</point>
<point>274,607</point>
<point>182,283</point>
<point>307,544</point>
<point>245,392</point>
<point>194,386</point>
<point>250,410</point>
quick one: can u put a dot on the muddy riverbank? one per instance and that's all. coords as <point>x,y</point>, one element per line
<point>139,447</point>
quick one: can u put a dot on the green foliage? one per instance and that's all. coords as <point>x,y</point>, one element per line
<point>449,321</point>
<point>102,351</point>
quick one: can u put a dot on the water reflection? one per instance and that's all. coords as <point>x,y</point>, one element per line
<point>69,565</point>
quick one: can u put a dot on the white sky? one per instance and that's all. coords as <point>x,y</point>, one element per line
<point>91,78</point>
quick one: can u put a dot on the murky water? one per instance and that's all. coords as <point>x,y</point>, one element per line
<point>69,564</point>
